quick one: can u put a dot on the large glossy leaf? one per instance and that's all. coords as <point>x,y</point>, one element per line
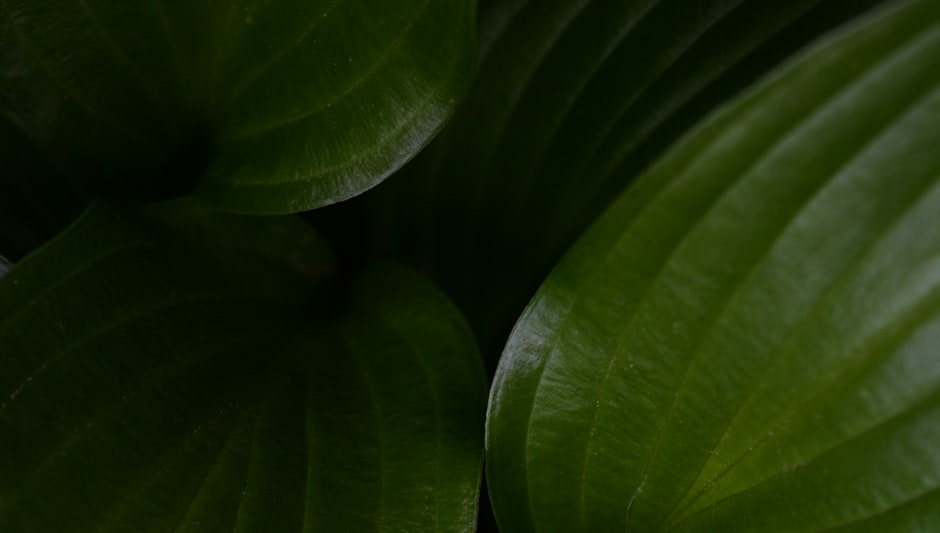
<point>172,372</point>
<point>573,99</point>
<point>276,106</point>
<point>749,339</point>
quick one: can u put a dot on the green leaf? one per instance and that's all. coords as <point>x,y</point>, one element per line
<point>167,371</point>
<point>573,99</point>
<point>748,339</point>
<point>270,106</point>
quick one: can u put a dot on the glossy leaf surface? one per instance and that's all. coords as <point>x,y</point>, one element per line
<point>749,339</point>
<point>269,106</point>
<point>171,371</point>
<point>573,99</point>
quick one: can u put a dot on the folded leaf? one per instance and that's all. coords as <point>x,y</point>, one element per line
<point>748,339</point>
<point>269,106</point>
<point>167,371</point>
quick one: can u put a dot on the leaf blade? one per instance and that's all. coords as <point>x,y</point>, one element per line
<point>634,356</point>
<point>262,107</point>
<point>204,389</point>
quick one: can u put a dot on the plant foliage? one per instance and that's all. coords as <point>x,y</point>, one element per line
<point>725,216</point>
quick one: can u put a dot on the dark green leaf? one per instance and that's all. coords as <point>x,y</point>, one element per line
<point>748,339</point>
<point>168,372</point>
<point>278,106</point>
<point>573,99</point>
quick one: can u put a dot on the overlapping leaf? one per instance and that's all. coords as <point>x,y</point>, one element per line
<point>573,99</point>
<point>270,106</point>
<point>173,371</point>
<point>748,339</point>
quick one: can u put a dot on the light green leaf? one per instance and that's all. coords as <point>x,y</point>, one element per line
<point>270,106</point>
<point>574,98</point>
<point>170,372</point>
<point>748,339</point>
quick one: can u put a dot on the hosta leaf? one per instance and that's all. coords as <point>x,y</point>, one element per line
<point>288,104</point>
<point>573,98</point>
<point>171,371</point>
<point>748,339</point>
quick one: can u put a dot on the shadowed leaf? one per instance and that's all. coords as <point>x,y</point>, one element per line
<point>171,371</point>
